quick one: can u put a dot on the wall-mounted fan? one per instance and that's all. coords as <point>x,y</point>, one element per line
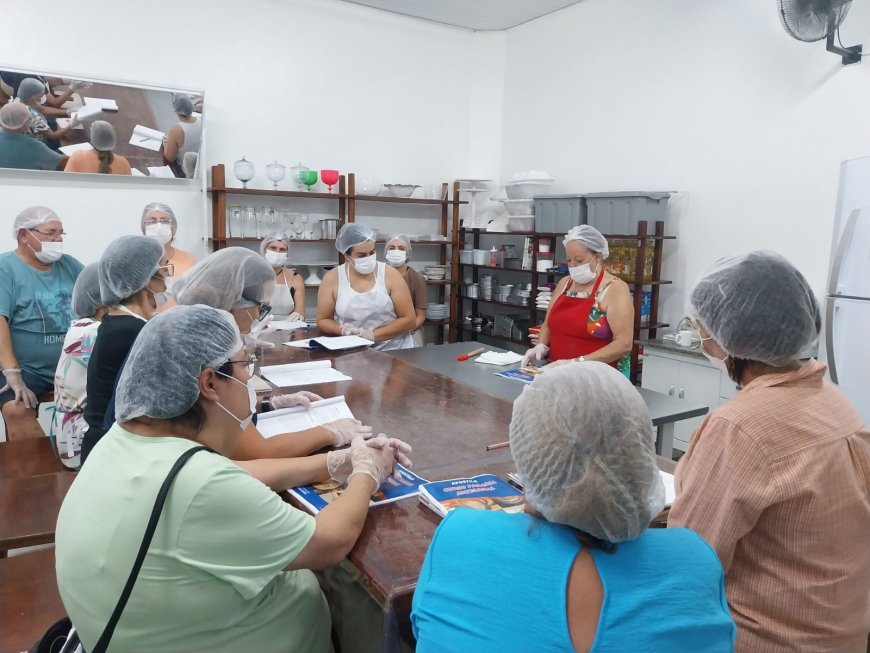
<point>814,20</point>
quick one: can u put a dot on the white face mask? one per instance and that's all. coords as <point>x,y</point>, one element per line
<point>51,251</point>
<point>275,259</point>
<point>43,99</point>
<point>396,257</point>
<point>365,265</point>
<point>160,231</point>
<point>718,363</point>
<point>252,402</point>
<point>582,274</point>
<point>160,298</point>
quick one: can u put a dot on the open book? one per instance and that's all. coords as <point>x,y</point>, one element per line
<point>522,374</point>
<point>106,104</point>
<point>299,418</point>
<point>483,492</point>
<point>316,497</point>
<point>306,373</point>
<point>332,343</point>
<point>146,137</point>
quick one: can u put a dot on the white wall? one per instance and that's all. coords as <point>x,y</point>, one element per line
<point>712,98</point>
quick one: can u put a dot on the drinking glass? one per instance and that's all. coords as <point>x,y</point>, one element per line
<point>329,177</point>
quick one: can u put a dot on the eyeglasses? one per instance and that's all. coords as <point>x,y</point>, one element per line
<point>264,309</point>
<point>249,363</point>
<point>166,220</point>
<point>51,235</point>
<point>168,270</point>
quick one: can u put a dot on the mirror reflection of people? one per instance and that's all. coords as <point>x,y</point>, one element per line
<point>777,479</point>
<point>159,221</point>
<point>101,159</point>
<point>398,253</point>
<point>583,444</point>
<point>363,297</point>
<point>20,150</point>
<point>229,567</point>
<point>288,300</point>
<point>32,93</point>
<point>184,136</point>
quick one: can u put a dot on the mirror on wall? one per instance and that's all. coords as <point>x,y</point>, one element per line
<point>78,125</point>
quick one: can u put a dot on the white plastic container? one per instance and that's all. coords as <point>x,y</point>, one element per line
<point>526,190</point>
<point>521,223</point>
<point>466,256</point>
<point>520,207</point>
<point>480,256</point>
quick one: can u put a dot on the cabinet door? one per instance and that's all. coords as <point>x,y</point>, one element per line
<point>698,384</point>
<point>660,374</point>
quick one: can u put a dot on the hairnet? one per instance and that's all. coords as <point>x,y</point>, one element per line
<point>589,236</point>
<point>182,105</point>
<point>161,376</point>
<point>29,89</point>
<point>102,136</point>
<point>227,279</point>
<point>405,240</point>
<point>126,267</point>
<point>32,217</point>
<point>758,307</point>
<point>275,237</point>
<point>14,115</point>
<point>583,442</point>
<point>86,292</point>
<point>158,206</point>
<point>352,234</point>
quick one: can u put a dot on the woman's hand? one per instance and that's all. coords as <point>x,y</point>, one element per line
<point>346,429</point>
<point>302,398</point>
<point>537,353</point>
<point>376,460</point>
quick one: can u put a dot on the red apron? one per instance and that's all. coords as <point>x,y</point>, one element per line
<point>572,334</point>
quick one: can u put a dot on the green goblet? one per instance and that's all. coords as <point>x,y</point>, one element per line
<point>308,177</point>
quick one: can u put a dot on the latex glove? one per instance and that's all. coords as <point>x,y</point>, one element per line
<point>302,398</point>
<point>295,317</point>
<point>15,382</point>
<point>402,449</point>
<point>346,429</point>
<point>338,462</point>
<point>367,334</point>
<point>375,459</point>
<point>77,85</point>
<point>537,353</point>
<point>533,338</point>
<point>350,330</point>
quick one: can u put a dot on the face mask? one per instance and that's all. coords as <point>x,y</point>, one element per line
<point>397,257</point>
<point>582,274</point>
<point>160,231</point>
<point>276,259</point>
<point>365,265</point>
<point>252,402</point>
<point>43,99</point>
<point>160,298</point>
<point>719,363</point>
<point>51,252</point>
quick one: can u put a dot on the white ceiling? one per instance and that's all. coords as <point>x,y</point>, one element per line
<point>480,15</point>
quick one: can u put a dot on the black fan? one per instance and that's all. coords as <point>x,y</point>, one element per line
<point>814,20</point>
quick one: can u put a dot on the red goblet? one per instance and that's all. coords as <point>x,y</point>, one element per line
<point>329,177</point>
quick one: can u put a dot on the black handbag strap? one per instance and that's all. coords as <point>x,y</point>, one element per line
<point>106,637</point>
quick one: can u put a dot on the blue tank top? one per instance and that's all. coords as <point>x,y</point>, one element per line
<point>493,581</point>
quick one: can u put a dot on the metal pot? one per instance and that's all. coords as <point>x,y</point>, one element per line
<point>329,228</point>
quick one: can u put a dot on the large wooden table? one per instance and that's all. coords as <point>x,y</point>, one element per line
<point>30,457</point>
<point>29,599</point>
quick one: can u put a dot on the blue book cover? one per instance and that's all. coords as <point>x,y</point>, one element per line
<point>483,492</point>
<point>316,497</point>
<point>522,374</point>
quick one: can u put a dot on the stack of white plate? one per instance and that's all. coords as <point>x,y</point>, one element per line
<point>435,272</point>
<point>545,293</point>
<point>437,311</point>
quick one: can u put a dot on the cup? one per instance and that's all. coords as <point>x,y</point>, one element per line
<point>684,338</point>
<point>543,245</point>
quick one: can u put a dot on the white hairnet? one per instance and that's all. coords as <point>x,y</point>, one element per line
<point>86,292</point>
<point>158,206</point>
<point>352,234</point>
<point>161,376</point>
<point>227,279</point>
<point>757,307</point>
<point>30,88</point>
<point>589,236</point>
<point>102,136</point>
<point>126,267</point>
<point>583,442</point>
<point>405,240</point>
<point>32,217</point>
<point>14,115</point>
<point>182,105</point>
<point>276,237</point>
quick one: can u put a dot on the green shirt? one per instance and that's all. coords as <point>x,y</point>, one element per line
<point>213,578</point>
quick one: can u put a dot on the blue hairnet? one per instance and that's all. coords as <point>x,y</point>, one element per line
<point>161,376</point>
<point>229,278</point>
<point>127,266</point>
<point>86,292</point>
<point>590,237</point>
<point>583,443</point>
<point>32,217</point>
<point>352,234</point>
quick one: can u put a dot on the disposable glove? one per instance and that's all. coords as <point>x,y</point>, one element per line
<point>536,354</point>
<point>15,382</point>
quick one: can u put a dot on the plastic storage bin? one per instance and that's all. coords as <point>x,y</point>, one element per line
<point>619,213</point>
<point>558,213</point>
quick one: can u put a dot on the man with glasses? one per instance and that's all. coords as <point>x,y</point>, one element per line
<point>36,283</point>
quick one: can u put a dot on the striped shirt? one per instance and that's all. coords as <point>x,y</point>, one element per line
<point>778,482</point>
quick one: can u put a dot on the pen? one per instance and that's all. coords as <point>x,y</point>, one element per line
<point>498,445</point>
<point>465,357</point>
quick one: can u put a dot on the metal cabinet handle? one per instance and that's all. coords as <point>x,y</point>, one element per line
<point>671,391</point>
<point>682,394</point>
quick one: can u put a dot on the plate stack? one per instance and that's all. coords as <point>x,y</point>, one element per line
<point>435,272</point>
<point>486,281</point>
<point>545,293</point>
<point>436,312</point>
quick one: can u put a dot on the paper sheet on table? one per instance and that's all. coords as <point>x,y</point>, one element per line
<point>69,149</point>
<point>670,492</point>
<point>150,139</point>
<point>286,325</point>
<point>88,112</point>
<point>137,173</point>
<point>105,104</point>
<point>332,343</point>
<point>298,418</point>
<point>160,171</point>
<point>302,373</point>
<point>498,358</point>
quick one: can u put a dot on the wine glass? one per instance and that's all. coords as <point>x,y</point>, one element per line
<point>295,173</point>
<point>244,171</point>
<point>329,177</point>
<point>308,177</point>
<point>275,172</point>
<point>299,226</point>
<point>250,229</point>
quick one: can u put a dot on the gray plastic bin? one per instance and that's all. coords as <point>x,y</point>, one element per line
<point>619,213</point>
<point>558,213</point>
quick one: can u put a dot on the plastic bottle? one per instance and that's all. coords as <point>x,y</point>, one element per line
<point>502,253</point>
<point>493,257</point>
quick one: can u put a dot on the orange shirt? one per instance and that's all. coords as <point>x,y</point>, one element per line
<point>778,482</point>
<point>89,161</point>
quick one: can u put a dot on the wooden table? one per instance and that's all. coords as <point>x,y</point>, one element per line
<point>29,457</point>
<point>29,599</point>
<point>29,506</point>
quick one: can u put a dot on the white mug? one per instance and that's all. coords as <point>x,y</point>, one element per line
<point>684,338</point>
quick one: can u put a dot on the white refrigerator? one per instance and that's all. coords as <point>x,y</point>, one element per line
<point>846,335</point>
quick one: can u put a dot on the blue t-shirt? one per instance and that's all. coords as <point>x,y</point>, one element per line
<point>494,581</point>
<point>23,151</point>
<point>36,305</point>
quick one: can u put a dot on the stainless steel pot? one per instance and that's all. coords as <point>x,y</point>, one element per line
<point>329,228</point>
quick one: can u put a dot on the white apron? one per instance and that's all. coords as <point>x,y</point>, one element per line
<point>368,310</point>
<point>282,301</point>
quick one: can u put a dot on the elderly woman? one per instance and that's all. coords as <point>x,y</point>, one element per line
<point>132,273</point>
<point>363,297</point>
<point>240,282</point>
<point>590,317</point>
<point>228,568</point>
<point>70,380</point>
<point>288,299</point>
<point>101,159</point>
<point>398,253</point>
<point>582,441</point>
<point>777,480</point>
<point>159,221</point>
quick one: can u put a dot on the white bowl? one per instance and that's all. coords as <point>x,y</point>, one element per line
<point>521,223</point>
<point>520,207</point>
<point>401,190</point>
<point>526,190</point>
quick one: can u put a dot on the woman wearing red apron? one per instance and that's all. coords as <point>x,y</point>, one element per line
<point>591,315</point>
